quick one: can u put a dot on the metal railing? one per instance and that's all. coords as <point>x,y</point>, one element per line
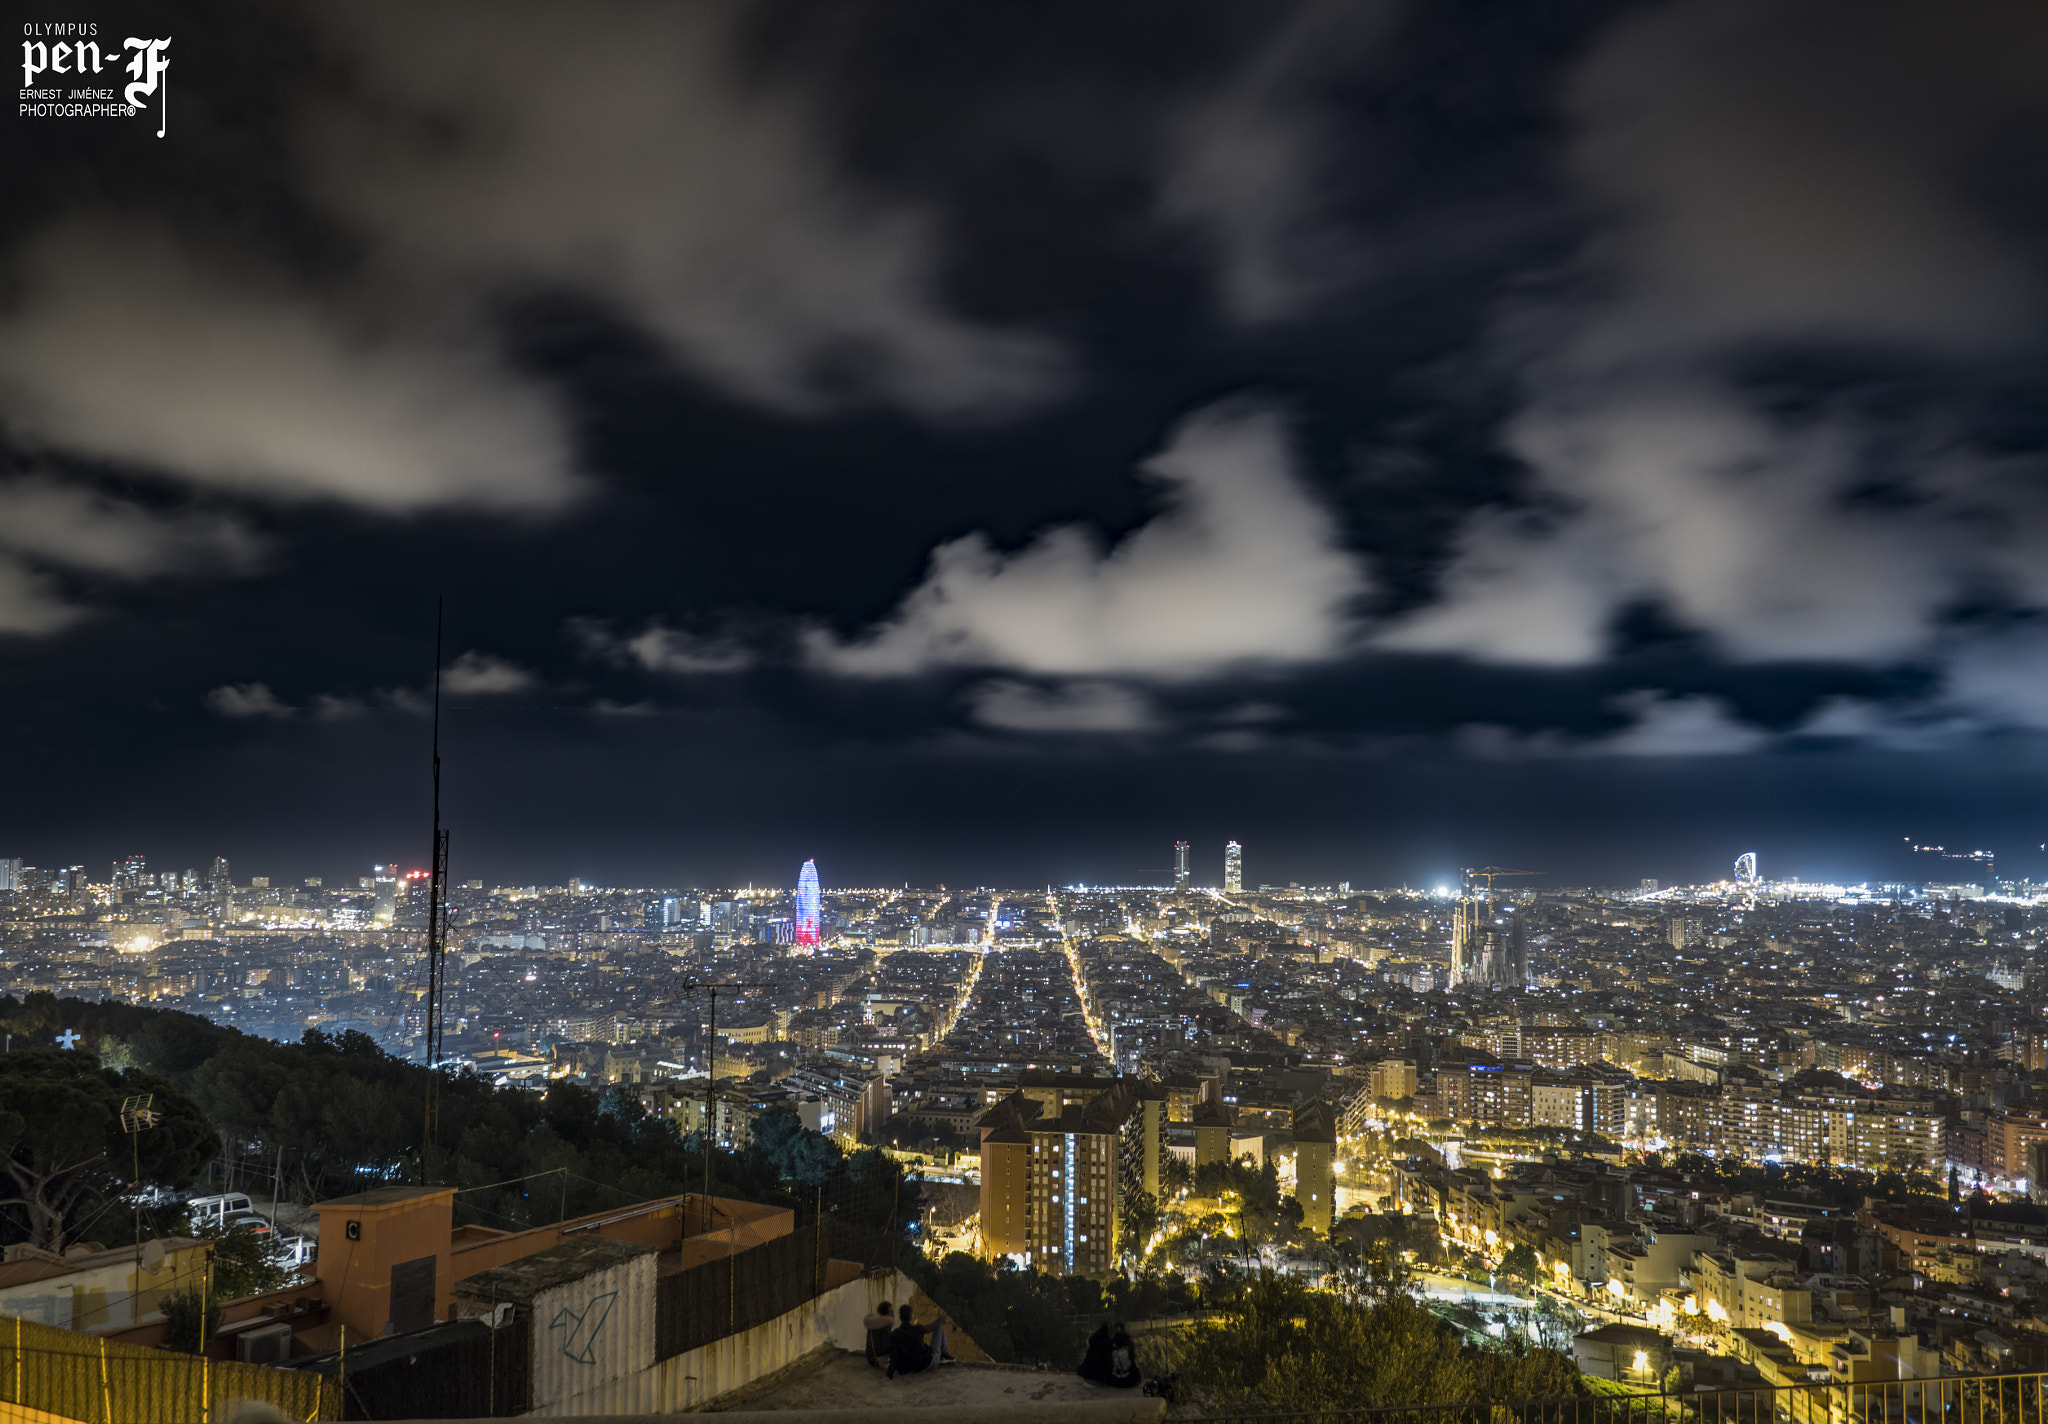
<point>1953,1399</point>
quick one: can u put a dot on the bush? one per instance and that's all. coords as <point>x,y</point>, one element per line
<point>1278,1346</point>
<point>181,1321</point>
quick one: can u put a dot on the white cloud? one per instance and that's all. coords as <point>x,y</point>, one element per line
<point>479,674</point>
<point>1070,708</point>
<point>335,707</point>
<point>30,603</point>
<point>1251,714</point>
<point>1247,166</point>
<point>659,648</point>
<point>120,346</point>
<point>1517,591</point>
<point>1668,726</point>
<point>1242,567</point>
<point>1662,725</point>
<point>1895,727</point>
<point>248,699</point>
<point>636,152</point>
<point>72,527</point>
<point>1737,524</point>
<point>2002,676</point>
<point>47,525</point>
<point>1766,180</point>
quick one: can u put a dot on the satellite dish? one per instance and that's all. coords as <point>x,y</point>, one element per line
<point>153,1257</point>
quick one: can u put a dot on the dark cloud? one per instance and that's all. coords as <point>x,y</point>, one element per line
<point>623,151</point>
<point>840,409</point>
<point>1766,180</point>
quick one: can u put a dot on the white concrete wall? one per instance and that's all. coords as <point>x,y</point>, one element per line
<point>691,1379</point>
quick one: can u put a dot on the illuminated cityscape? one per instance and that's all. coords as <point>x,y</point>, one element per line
<point>1144,712</point>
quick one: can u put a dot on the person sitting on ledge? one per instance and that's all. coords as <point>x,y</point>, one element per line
<point>908,1353</point>
<point>1094,1365</point>
<point>878,1323</point>
<point>1123,1360</point>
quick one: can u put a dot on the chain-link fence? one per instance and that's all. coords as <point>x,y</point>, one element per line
<point>101,1382</point>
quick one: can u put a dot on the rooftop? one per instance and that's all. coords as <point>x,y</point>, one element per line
<point>527,1277</point>
<point>385,1196</point>
<point>834,1381</point>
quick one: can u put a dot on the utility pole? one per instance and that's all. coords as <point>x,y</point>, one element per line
<point>437,895</point>
<point>711,1076</point>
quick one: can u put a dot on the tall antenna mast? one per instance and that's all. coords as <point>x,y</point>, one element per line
<point>437,927</point>
<point>711,1075</point>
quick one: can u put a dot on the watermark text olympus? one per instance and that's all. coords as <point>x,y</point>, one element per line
<point>61,60</point>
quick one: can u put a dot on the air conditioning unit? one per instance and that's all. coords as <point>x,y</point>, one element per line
<point>265,1345</point>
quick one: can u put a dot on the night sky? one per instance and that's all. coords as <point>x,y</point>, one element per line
<point>984,443</point>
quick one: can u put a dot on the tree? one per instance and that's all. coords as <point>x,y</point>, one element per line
<point>68,1161</point>
<point>1520,1262</point>
<point>182,1330</point>
<point>1141,1217</point>
<point>793,1151</point>
<point>242,1262</point>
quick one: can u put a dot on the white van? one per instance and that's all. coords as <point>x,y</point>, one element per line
<point>217,1209</point>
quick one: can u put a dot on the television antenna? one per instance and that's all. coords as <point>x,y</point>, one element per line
<point>138,1113</point>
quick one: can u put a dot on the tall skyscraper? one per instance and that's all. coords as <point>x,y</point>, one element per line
<point>1233,868</point>
<point>217,877</point>
<point>1180,867</point>
<point>807,916</point>
<point>129,870</point>
<point>10,872</point>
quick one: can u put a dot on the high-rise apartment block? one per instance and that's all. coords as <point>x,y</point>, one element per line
<point>1058,1165</point>
<point>1233,869</point>
<point>1315,1164</point>
<point>1393,1079</point>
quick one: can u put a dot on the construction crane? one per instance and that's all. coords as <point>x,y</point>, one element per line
<point>1491,873</point>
